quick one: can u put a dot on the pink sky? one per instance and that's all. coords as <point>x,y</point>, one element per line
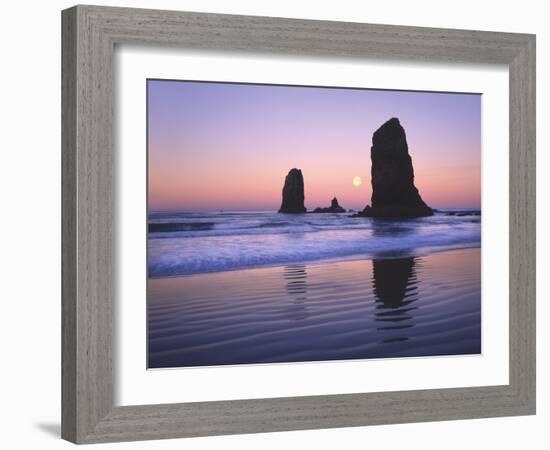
<point>220,146</point>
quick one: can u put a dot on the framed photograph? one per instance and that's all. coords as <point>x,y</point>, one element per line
<point>278,224</point>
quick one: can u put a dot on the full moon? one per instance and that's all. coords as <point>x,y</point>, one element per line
<point>357,181</point>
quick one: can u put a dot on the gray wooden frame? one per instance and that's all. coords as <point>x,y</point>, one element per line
<point>89,36</point>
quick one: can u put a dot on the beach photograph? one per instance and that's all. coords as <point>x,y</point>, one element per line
<point>291,224</point>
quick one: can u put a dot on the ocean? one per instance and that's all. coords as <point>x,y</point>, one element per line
<point>183,243</point>
<point>261,287</point>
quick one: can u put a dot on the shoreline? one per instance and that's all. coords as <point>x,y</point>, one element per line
<point>421,252</point>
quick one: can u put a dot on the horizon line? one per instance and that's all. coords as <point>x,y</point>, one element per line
<point>149,211</point>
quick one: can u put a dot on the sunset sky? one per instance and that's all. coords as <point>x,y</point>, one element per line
<point>220,146</point>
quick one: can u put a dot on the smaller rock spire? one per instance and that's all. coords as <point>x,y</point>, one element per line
<point>293,193</point>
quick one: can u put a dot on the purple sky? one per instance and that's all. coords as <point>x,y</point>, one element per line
<point>228,146</point>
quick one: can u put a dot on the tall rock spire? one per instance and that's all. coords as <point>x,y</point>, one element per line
<point>394,194</point>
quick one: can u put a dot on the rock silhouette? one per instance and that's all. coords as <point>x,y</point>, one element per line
<point>333,208</point>
<point>394,194</point>
<point>293,193</point>
<point>295,276</point>
<point>395,285</point>
<point>394,280</point>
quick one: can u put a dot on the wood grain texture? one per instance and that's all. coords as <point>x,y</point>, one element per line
<point>89,36</point>
<point>68,225</point>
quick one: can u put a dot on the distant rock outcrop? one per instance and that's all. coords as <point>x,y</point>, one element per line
<point>293,193</point>
<point>394,194</point>
<point>462,213</point>
<point>333,208</point>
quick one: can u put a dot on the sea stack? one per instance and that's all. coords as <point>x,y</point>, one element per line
<point>293,193</point>
<point>394,194</point>
<point>333,208</point>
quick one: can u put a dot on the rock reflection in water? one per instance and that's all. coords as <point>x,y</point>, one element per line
<point>295,276</point>
<point>396,289</point>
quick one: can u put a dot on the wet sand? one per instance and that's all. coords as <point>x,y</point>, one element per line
<point>337,310</point>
